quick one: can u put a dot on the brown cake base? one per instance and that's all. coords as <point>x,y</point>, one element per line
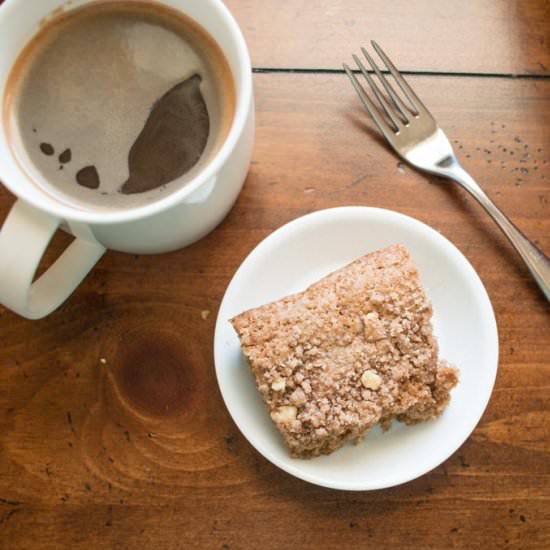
<point>354,349</point>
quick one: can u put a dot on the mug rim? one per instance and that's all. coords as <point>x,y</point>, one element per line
<point>242,75</point>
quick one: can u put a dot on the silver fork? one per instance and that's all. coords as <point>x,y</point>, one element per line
<point>415,136</point>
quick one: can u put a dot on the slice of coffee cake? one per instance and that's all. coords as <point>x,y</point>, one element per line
<point>354,349</point>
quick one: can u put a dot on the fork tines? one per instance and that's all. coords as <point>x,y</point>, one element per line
<point>398,114</point>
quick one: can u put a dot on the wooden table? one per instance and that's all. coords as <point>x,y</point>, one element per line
<point>85,460</point>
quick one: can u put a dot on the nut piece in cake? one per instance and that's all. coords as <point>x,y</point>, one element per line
<point>354,349</point>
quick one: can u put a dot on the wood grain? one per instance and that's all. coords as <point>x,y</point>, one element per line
<point>113,432</point>
<point>481,36</point>
<point>486,36</point>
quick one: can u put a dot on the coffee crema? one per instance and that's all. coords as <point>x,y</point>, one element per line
<point>117,104</point>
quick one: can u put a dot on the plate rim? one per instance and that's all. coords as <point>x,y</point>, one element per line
<point>482,294</point>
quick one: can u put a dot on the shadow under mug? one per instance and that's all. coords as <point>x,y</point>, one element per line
<point>172,222</point>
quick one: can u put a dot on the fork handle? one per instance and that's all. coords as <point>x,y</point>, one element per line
<point>537,262</point>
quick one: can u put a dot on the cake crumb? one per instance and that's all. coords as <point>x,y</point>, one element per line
<point>284,415</point>
<point>279,385</point>
<point>371,380</point>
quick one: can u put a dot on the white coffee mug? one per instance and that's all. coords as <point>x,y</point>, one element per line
<point>170,223</point>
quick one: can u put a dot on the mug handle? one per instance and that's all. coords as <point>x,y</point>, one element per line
<point>24,238</point>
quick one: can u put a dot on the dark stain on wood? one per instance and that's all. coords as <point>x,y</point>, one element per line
<point>152,373</point>
<point>70,422</point>
<point>231,445</point>
<point>9,502</point>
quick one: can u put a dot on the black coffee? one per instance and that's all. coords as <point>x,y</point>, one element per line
<point>119,103</point>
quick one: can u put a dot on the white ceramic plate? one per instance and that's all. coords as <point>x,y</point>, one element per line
<point>310,247</point>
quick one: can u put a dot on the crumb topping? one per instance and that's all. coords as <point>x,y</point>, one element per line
<point>354,349</point>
